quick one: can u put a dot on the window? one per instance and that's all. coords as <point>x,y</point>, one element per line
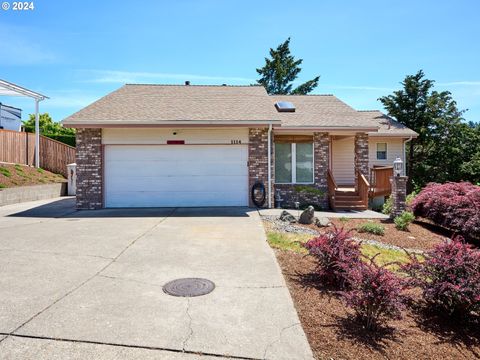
<point>293,163</point>
<point>381,151</point>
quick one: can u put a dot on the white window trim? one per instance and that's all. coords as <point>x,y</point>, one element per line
<point>294,167</point>
<point>386,151</point>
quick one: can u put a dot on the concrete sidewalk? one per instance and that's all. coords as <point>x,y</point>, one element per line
<point>88,284</point>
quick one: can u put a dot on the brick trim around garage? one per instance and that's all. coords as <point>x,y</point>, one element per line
<point>89,159</point>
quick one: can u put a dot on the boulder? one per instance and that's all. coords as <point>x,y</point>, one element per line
<point>286,216</point>
<point>322,222</point>
<point>308,216</point>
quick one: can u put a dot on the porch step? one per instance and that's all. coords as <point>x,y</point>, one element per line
<point>348,200</point>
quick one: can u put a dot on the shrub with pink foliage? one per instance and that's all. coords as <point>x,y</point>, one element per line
<point>336,253</point>
<point>455,206</point>
<point>376,294</point>
<point>449,276</point>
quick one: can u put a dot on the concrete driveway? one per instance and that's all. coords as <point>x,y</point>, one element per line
<point>88,284</point>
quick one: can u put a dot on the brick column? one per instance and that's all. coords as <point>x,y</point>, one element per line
<point>321,155</point>
<point>258,161</point>
<point>399,194</point>
<point>361,155</point>
<point>89,169</point>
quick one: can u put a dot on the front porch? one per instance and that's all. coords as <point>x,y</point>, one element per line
<point>345,171</point>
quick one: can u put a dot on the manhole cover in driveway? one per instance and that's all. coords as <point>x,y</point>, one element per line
<point>189,287</point>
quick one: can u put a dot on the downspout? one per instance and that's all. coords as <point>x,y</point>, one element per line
<point>269,160</point>
<point>405,155</point>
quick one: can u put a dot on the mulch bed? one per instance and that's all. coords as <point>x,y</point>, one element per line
<point>420,235</point>
<point>334,334</point>
<point>22,175</point>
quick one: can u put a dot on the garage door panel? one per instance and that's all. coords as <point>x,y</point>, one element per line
<point>173,199</point>
<point>177,175</point>
<point>178,168</point>
<point>177,183</point>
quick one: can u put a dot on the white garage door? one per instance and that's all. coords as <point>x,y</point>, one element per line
<point>176,175</point>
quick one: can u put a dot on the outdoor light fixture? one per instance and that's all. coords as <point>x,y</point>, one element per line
<point>398,166</point>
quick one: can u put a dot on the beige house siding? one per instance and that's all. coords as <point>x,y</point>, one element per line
<point>343,155</point>
<point>394,150</point>
<point>153,136</point>
<point>343,160</point>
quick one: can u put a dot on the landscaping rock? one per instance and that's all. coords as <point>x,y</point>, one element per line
<point>322,222</point>
<point>287,217</point>
<point>308,216</point>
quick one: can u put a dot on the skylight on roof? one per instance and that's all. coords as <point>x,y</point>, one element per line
<point>285,106</point>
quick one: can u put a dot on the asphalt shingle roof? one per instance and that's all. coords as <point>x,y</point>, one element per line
<point>147,104</point>
<point>138,103</point>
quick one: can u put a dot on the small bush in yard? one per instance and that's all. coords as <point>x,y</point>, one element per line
<point>371,228</point>
<point>455,206</point>
<point>375,294</point>
<point>388,206</point>
<point>402,221</point>
<point>449,277</point>
<point>335,253</point>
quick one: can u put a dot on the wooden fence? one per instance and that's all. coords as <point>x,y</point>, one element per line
<point>19,148</point>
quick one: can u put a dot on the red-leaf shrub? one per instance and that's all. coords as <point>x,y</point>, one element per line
<point>336,253</point>
<point>455,206</point>
<point>376,294</point>
<point>449,276</point>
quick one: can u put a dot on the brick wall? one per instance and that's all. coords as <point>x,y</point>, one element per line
<point>318,195</point>
<point>258,160</point>
<point>361,155</point>
<point>89,169</point>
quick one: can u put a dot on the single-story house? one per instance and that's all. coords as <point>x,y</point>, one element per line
<point>194,145</point>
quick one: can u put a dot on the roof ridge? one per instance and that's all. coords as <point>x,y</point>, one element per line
<point>369,110</point>
<point>195,85</point>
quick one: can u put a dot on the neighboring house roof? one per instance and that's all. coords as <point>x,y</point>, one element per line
<point>164,104</point>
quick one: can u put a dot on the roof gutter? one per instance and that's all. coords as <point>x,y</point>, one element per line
<point>183,123</point>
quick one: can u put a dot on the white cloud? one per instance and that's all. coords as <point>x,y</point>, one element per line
<point>357,87</point>
<point>22,46</point>
<point>460,83</point>
<point>122,77</point>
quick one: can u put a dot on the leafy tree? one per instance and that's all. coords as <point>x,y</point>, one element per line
<point>51,129</point>
<point>280,70</point>
<point>445,143</point>
<point>47,126</point>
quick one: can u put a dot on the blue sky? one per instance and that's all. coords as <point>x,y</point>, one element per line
<point>77,51</point>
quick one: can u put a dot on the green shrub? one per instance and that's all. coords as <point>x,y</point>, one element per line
<point>388,206</point>
<point>402,221</point>
<point>410,197</point>
<point>371,228</point>
<point>5,171</point>
<point>2,186</point>
<point>40,170</point>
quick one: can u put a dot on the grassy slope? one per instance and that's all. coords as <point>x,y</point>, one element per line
<point>12,175</point>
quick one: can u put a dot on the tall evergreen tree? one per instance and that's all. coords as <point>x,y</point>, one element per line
<point>280,70</point>
<point>443,142</point>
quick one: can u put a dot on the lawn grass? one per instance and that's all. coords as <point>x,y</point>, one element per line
<point>293,242</point>
<point>5,171</point>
